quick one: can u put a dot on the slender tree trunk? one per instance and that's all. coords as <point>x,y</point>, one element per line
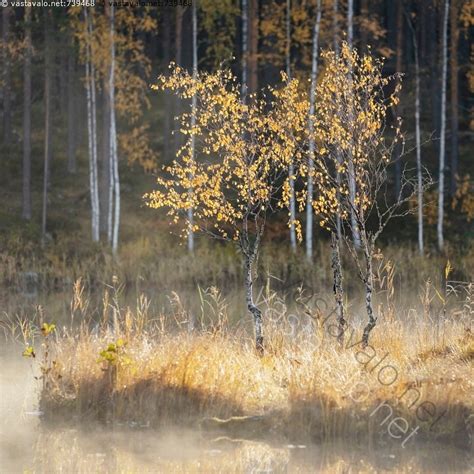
<point>419,168</point>
<point>178,61</point>
<point>106,184</point>
<point>245,49</point>
<point>167,95</point>
<point>7,119</point>
<point>105,164</point>
<point>47,121</point>
<point>71,111</point>
<point>369,287</point>
<point>92,129</point>
<point>105,159</point>
<point>312,147</point>
<point>442,141</point>
<point>335,33</point>
<point>111,187</point>
<point>251,306</point>
<point>193,122</point>
<point>253,47</point>
<point>433,46</point>
<point>26,208</point>
<point>350,23</point>
<point>350,167</point>
<point>113,136</point>
<point>335,25</point>
<point>338,283</point>
<point>422,13</point>
<point>108,135</point>
<point>291,168</point>
<point>454,93</point>
<point>399,62</point>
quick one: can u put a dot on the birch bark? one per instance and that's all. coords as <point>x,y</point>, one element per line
<point>26,207</point>
<point>115,177</point>
<point>291,168</point>
<point>442,140</point>
<point>47,122</point>
<point>245,52</point>
<point>193,122</point>
<point>92,129</point>
<point>312,99</point>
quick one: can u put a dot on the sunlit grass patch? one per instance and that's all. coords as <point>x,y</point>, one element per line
<point>161,370</point>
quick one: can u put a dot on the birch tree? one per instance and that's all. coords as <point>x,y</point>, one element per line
<point>178,46</point>
<point>442,139</point>
<point>291,168</point>
<point>351,114</point>
<point>193,120</point>
<point>419,166</point>
<point>244,152</point>
<point>335,33</point>
<point>71,110</point>
<point>90,80</point>
<point>114,51</point>
<point>47,119</point>
<point>454,83</point>
<point>350,23</point>
<point>105,159</point>
<point>350,170</point>
<point>245,52</point>
<point>26,206</point>
<point>253,46</point>
<point>166,25</point>
<point>312,144</point>
<point>114,168</point>
<point>398,69</point>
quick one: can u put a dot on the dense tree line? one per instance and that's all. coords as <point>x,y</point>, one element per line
<point>92,68</point>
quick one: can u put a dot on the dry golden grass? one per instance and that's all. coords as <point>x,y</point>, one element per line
<point>131,368</point>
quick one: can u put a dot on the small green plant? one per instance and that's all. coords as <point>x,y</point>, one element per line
<point>47,365</point>
<point>114,353</point>
<point>47,329</point>
<point>29,352</point>
<point>114,358</point>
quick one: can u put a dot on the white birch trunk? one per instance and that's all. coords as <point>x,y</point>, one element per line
<point>110,207</point>
<point>351,173</point>
<point>193,124</point>
<point>110,197</point>
<point>312,99</point>
<point>245,48</point>
<point>350,22</point>
<point>26,208</point>
<point>291,168</point>
<point>442,140</point>
<point>113,140</point>
<point>419,169</point>
<point>47,125</point>
<point>335,26</point>
<point>92,131</point>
